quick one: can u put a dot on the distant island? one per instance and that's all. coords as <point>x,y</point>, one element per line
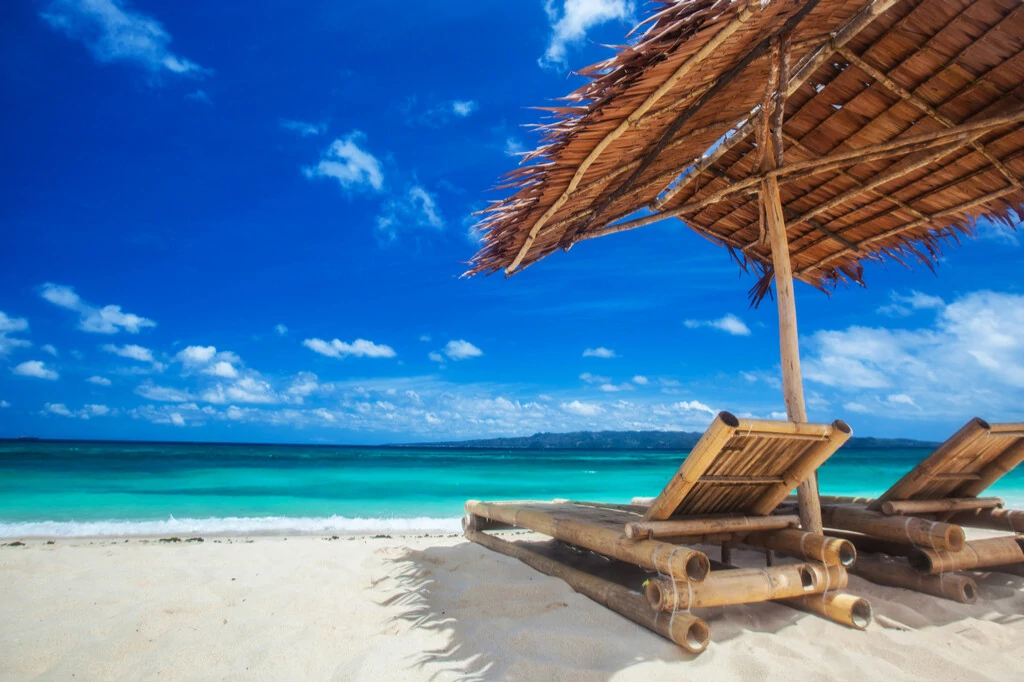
<point>653,440</point>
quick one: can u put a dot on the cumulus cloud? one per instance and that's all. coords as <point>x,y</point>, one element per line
<point>35,368</point>
<point>463,108</point>
<point>904,305</point>
<point>50,349</point>
<point>416,209</point>
<point>640,380</point>
<point>435,356</point>
<point>348,163</point>
<point>460,349</point>
<point>112,33</point>
<point>969,361</point>
<point>98,380</point>
<point>106,320</point>
<point>591,378</point>
<point>570,23</point>
<point>154,392</point>
<point>360,348</point>
<point>727,323</point>
<point>281,329</point>
<point>130,351</point>
<point>583,408</point>
<point>87,411</point>
<point>599,352</point>
<point>303,128</point>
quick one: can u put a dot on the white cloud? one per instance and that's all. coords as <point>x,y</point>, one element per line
<point>460,349</point>
<point>165,394</point>
<point>131,351</point>
<point>112,33</point>
<point>7,325</point>
<point>970,361</point>
<point>4,404</point>
<point>57,409</point>
<point>727,323</point>
<point>694,407</point>
<point>101,381</point>
<point>245,390</point>
<point>514,147</point>
<point>463,108</point>
<point>360,348</point>
<point>221,368</point>
<point>416,209</point>
<point>177,420</point>
<point>106,320</point>
<point>641,380</point>
<point>591,378</point>
<point>435,356</point>
<point>196,356</point>
<point>599,352</point>
<point>570,26</point>
<point>35,368</point>
<point>89,410</point>
<point>304,129</point>
<point>349,164</point>
<point>903,306</point>
<point>583,408</point>
<point>281,329</point>
<point>304,385</point>
<point>50,349</point>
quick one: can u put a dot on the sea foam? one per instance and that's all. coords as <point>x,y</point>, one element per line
<point>239,526</point>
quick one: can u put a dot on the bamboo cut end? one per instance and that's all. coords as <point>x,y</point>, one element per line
<point>698,566</point>
<point>843,427</point>
<point>981,423</point>
<point>729,419</point>
<point>695,636</point>
<point>860,614</point>
<point>847,553</point>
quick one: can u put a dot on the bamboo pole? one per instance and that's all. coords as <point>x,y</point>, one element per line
<point>911,530</point>
<point>985,552</point>
<point>696,463</point>
<point>630,121</point>
<point>1000,520</point>
<point>917,507</point>
<point>476,523</point>
<point>708,525</point>
<point>871,544</point>
<point>744,586</point>
<point>689,632</point>
<point>797,543</point>
<point>792,382</point>
<point>913,480</point>
<point>889,572</point>
<point>843,608</point>
<point>678,561</point>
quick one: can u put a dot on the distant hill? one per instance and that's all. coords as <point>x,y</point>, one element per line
<point>653,440</point>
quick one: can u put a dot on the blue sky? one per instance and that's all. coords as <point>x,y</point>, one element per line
<point>247,222</point>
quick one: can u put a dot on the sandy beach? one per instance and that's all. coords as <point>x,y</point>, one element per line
<point>438,608</point>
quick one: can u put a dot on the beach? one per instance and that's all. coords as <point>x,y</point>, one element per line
<point>436,607</point>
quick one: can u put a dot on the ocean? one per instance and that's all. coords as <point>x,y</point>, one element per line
<point>66,489</point>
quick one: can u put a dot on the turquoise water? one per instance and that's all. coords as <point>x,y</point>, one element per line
<point>94,488</point>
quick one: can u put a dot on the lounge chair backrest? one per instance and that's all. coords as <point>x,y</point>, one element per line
<point>965,465</point>
<point>746,466</point>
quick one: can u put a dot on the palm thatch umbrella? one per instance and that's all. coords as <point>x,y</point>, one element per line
<point>804,136</point>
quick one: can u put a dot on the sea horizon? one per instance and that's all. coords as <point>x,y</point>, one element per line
<point>89,488</point>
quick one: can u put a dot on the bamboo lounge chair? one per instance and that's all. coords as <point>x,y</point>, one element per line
<point>724,493</point>
<point>917,525</point>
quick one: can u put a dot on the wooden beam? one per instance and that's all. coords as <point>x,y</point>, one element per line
<point>696,59</point>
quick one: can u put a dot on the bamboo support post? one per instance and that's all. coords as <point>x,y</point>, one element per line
<point>743,586</point>
<point>911,530</point>
<point>843,608</point>
<point>687,631</point>
<point>913,480</point>
<point>890,572</point>
<point>985,552</point>
<point>1000,520</point>
<point>798,543</point>
<point>709,525</point>
<point>918,507</point>
<point>792,381</point>
<point>677,561</point>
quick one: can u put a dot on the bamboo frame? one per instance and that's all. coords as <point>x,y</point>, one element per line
<point>985,552</point>
<point>917,507</point>
<point>745,586</point>
<point>912,530</point>
<point>713,525</point>
<point>897,573</point>
<point>829,550</point>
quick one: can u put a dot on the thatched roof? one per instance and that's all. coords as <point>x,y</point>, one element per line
<point>670,125</point>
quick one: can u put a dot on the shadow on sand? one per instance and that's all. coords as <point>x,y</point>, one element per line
<point>505,620</point>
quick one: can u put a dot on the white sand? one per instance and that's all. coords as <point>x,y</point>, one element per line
<point>437,608</point>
